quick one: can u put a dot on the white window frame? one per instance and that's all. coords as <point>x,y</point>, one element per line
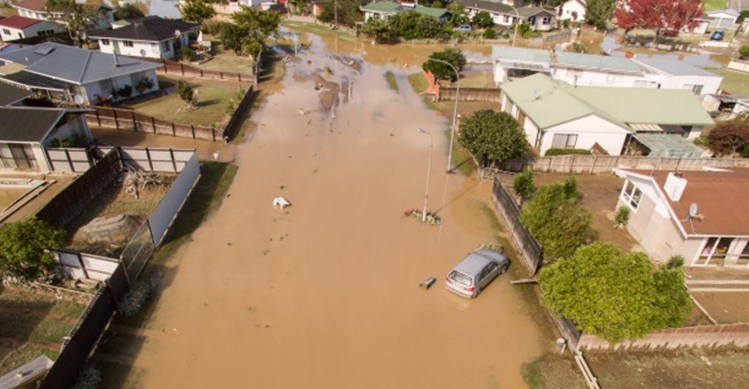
<point>105,42</point>
<point>567,144</point>
<point>128,43</point>
<point>628,195</point>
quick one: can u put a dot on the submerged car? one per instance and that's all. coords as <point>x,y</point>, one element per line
<point>718,35</point>
<point>474,273</point>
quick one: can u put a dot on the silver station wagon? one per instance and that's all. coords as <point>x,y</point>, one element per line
<point>475,272</point>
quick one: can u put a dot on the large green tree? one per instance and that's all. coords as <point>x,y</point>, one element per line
<point>483,19</point>
<point>457,15</point>
<point>127,11</point>
<point>492,136</point>
<point>249,29</point>
<point>196,10</point>
<point>442,71</point>
<point>23,245</point>
<point>599,12</point>
<point>557,219</point>
<point>379,29</point>
<point>76,17</point>
<point>348,14</point>
<point>613,295</point>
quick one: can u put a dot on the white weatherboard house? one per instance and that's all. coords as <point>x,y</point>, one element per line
<point>26,132</point>
<point>385,9</point>
<point>572,10</point>
<point>19,27</point>
<point>37,9</point>
<point>700,215</point>
<point>557,115</point>
<point>151,37</point>
<point>64,72</point>
<point>723,18</point>
<point>601,70</point>
<point>505,14</point>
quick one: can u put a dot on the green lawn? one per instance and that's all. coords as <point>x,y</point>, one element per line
<point>212,107</point>
<point>319,29</point>
<point>734,82</point>
<point>39,323</point>
<point>392,83</point>
<point>418,82</point>
<point>227,61</point>
<point>711,5</point>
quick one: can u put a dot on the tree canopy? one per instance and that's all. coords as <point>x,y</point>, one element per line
<point>664,17</point>
<point>557,219</point>
<point>76,17</point>
<point>23,245</point>
<point>196,10</point>
<point>442,71</point>
<point>348,12</point>
<point>249,29</point>
<point>731,137</point>
<point>599,12</point>
<point>613,295</point>
<point>127,11</point>
<point>492,136</point>
<point>483,19</point>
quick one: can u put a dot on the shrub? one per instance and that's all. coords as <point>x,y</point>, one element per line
<point>135,299</point>
<point>23,245</point>
<point>675,262</point>
<point>745,152</point>
<point>60,142</point>
<point>490,33</point>
<point>483,19</point>
<point>125,92</point>
<point>744,51</point>
<point>566,23</point>
<point>185,91</point>
<point>555,152</point>
<point>437,4</point>
<point>729,138</point>
<point>492,136</point>
<point>576,47</point>
<point>213,27</point>
<point>91,378</point>
<point>450,55</point>
<point>144,85</point>
<point>622,217</point>
<point>185,53</point>
<point>523,185</point>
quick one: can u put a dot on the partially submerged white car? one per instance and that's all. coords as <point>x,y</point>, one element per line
<point>474,273</point>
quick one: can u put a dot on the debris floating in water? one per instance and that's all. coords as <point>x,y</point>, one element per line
<point>428,282</point>
<point>431,219</point>
<point>281,202</point>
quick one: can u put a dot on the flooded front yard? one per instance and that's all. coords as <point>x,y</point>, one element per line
<point>325,294</point>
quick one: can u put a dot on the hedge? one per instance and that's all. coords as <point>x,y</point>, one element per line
<point>553,152</point>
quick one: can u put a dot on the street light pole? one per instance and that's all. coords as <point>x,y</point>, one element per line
<point>455,113</point>
<point>429,169</point>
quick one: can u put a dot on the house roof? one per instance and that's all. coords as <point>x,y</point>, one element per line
<point>594,61</point>
<point>81,66</point>
<point>493,6</point>
<point>152,28</point>
<point>10,94</point>
<point>429,11</point>
<point>382,6</point>
<point>669,145</point>
<point>40,5</point>
<point>720,197</point>
<point>724,11</point>
<point>520,54</point>
<point>526,12</point>
<point>36,81</point>
<point>675,67</point>
<point>19,22</point>
<point>549,103</point>
<point>27,124</point>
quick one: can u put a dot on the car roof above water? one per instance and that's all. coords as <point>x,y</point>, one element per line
<point>473,263</point>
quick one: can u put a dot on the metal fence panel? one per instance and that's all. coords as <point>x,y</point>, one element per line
<point>138,251</point>
<point>167,210</point>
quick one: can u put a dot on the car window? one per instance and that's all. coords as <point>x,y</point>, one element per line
<point>461,278</point>
<point>492,266</point>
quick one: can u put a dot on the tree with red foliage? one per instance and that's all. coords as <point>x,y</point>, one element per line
<point>731,137</point>
<point>665,17</point>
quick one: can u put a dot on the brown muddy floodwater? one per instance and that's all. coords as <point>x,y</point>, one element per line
<point>325,294</point>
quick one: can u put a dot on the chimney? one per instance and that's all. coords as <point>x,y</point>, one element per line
<point>536,95</point>
<point>675,185</point>
<point>116,61</point>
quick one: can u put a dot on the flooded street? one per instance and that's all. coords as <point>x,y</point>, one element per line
<point>325,294</point>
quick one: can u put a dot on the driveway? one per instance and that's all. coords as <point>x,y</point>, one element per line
<point>325,293</point>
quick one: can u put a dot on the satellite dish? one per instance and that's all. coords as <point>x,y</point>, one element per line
<point>693,210</point>
<point>78,99</point>
<point>142,52</point>
<point>177,33</point>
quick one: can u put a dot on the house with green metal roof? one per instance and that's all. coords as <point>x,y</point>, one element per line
<point>508,13</point>
<point>385,9</point>
<point>555,114</point>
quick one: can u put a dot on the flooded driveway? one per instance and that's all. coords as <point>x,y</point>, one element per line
<point>325,294</point>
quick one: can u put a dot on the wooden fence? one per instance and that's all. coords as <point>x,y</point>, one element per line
<point>75,197</point>
<point>237,118</point>
<point>736,335</point>
<point>125,119</point>
<point>604,163</point>
<point>178,68</point>
<point>470,94</point>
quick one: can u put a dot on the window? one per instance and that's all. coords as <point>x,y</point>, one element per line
<point>105,42</point>
<point>564,141</point>
<point>6,31</point>
<point>546,20</point>
<point>128,43</point>
<point>19,156</point>
<point>716,248</point>
<point>507,19</point>
<point>166,46</point>
<point>696,89</point>
<point>461,278</point>
<point>631,195</point>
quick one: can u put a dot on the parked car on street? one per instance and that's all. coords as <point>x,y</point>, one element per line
<point>463,28</point>
<point>474,273</point>
<point>717,35</point>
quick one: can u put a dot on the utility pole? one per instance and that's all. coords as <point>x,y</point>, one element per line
<point>335,12</point>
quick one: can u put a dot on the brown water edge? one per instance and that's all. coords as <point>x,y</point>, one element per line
<point>325,294</point>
